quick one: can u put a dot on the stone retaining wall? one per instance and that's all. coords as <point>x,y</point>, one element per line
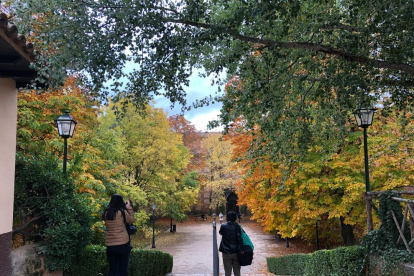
<point>27,262</point>
<point>376,264</point>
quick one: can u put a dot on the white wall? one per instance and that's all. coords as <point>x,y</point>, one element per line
<point>8,122</point>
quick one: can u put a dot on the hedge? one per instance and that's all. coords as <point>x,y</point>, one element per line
<point>349,260</point>
<point>319,263</point>
<point>288,265</point>
<point>142,263</point>
<point>341,261</point>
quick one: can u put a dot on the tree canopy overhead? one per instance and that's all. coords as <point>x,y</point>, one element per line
<point>299,67</point>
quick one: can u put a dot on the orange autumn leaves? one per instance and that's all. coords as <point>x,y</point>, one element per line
<point>290,200</point>
<point>37,134</point>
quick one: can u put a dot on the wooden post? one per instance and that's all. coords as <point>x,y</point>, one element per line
<point>410,206</point>
<point>399,230</point>
<point>403,222</point>
<point>370,226</point>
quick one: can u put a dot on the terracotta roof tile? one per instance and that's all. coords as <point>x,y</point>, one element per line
<point>12,32</point>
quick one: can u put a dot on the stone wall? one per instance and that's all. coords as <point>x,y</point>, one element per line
<point>376,264</point>
<point>27,262</point>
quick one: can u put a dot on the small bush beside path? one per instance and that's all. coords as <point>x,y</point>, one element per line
<point>342,261</point>
<point>143,262</point>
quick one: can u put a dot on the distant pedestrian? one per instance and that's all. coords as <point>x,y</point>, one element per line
<point>229,244</point>
<point>214,216</point>
<point>221,217</point>
<point>117,241</point>
<point>239,216</point>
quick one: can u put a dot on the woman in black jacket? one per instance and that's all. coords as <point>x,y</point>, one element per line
<point>229,244</point>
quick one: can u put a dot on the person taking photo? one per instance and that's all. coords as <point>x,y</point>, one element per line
<point>117,240</point>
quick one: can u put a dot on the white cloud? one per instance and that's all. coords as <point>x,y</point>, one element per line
<point>198,89</point>
<point>200,121</point>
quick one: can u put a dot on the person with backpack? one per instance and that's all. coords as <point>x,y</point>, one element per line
<point>117,241</point>
<point>229,245</point>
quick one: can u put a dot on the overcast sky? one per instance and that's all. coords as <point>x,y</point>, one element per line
<point>199,88</point>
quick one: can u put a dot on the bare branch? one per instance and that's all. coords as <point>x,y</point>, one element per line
<point>28,233</point>
<point>304,46</point>
<point>21,227</point>
<point>341,27</point>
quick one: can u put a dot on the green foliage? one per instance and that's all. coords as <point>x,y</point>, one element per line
<point>154,160</point>
<point>319,263</point>
<point>305,65</point>
<point>142,263</point>
<point>61,218</point>
<point>92,262</point>
<point>347,260</point>
<point>341,261</point>
<point>150,262</point>
<point>293,264</point>
<point>190,179</point>
<point>388,230</point>
<point>383,239</point>
<point>326,188</point>
<point>382,242</point>
<point>389,262</point>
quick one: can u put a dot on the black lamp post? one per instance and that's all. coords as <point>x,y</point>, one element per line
<point>317,236</point>
<point>66,127</point>
<point>153,225</point>
<point>364,117</point>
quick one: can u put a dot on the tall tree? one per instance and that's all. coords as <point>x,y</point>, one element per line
<point>41,209</point>
<point>220,175</point>
<point>338,54</point>
<point>192,140</point>
<point>154,157</point>
<point>327,191</point>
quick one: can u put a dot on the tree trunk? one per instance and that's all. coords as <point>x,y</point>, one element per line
<point>347,233</point>
<point>370,225</point>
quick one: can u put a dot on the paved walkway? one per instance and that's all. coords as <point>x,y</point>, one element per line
<point>193,254</point>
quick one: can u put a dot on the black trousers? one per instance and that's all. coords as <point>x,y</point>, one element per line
<point>118,258</point>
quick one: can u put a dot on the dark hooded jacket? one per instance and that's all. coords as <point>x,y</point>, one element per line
<point>229,239</point>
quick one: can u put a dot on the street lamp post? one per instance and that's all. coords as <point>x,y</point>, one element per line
<point>317,236</point>
<point>153,225</point>
<point>364,117</point>
<point>66,127</point>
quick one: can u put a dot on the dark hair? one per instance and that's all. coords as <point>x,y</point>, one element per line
<point>231,216</point>
<point>116,204</point>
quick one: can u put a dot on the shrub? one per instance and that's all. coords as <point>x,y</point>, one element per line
<point>319,263</point>
<point>150,262</point>
<point>349,260</point>
<point>92,262</point>
<point>142,263</point>
<point>381,242</point>
<point>288,265</point>
<point>60,217</point>
<point>341,261</point>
